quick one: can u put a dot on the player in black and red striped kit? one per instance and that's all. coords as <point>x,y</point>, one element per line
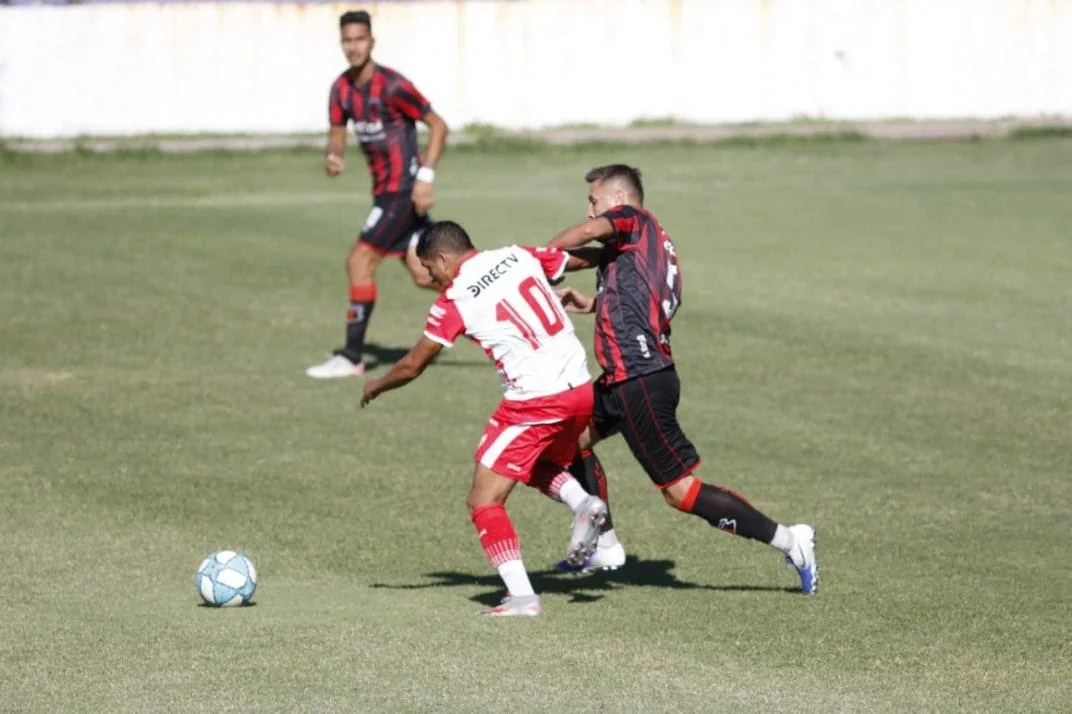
<point>383,107</point>
<point>638,293</point>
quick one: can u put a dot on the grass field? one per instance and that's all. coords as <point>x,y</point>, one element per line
<point>876,338</point>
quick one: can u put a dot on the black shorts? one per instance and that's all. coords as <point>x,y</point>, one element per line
<point>644,410</point>
<point>391,224</point>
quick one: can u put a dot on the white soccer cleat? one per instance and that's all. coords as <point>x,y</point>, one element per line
<point>604,558</point>
<point>336,367</point>
<point>587,522</point>
<point>802,557</point>
<point>517,606</point>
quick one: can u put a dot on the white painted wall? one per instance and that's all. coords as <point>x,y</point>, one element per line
<point>252,67</point>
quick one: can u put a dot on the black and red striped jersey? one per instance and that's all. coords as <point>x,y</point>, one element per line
<point>384,112</point>
<point>639,290</point>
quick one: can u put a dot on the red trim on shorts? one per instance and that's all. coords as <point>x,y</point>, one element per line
<point>691,470</point>
<point>382,251</point>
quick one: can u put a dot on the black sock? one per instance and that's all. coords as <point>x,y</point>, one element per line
<point>729,511</point>
<point>362,300</point>
<point>588,470</point>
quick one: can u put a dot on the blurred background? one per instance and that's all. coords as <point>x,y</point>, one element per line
<point>117,68</point>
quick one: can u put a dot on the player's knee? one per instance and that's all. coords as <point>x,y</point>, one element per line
<point>360,266</point>
<point>421,278</point>
<point>588,439</point>
<point>478,498</point>
<point>677,494</point>
<point>473,502</point>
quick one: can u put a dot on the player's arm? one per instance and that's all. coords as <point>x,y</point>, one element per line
<point>584,258</point>
<point>437,137</point>
<point>423,195</point>
<point>575,301</point>
<point>406,99</point>
<point>336,143</point>
<point>404,370</point>
<point>599,228</point>
<point>334,150</point>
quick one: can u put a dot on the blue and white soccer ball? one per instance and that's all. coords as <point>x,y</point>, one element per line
<point>226,579</point>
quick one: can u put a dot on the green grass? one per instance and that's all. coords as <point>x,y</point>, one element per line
<point>875,338</point>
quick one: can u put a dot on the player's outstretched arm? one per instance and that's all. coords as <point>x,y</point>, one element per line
<point>599,228</point>
<point>403,371</point>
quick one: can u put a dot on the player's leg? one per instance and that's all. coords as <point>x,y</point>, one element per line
<point>508,452</point>
<point>589,510</point>
<point>375,241</point>
<point>659,444</point>
<point>587,469</point>
<point>361,264</point>
<point>487,509</point>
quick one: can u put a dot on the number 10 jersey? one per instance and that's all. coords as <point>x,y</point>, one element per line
<point>502,300</point>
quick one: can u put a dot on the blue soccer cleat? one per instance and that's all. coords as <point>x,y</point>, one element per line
<point>802,557</point>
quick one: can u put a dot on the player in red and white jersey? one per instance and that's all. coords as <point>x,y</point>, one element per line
<point>502,300</point>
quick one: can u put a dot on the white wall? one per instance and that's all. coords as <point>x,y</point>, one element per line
<point>244,67</point>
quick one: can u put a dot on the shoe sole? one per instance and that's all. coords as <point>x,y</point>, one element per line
<point>815,570</point>
<point>584,568</point>
<point>583,548</point>
<point>336,376</point>
<point>519,613</point>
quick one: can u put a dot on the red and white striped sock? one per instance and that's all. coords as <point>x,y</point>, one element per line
<point>500,543</point>
<point>558,485</point>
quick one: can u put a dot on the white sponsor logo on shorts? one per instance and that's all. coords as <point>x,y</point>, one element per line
<point>373,217</point>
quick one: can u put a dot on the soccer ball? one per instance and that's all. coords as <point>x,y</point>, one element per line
<point>226,578</point>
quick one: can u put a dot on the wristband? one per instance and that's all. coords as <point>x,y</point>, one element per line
<point>426,174</point>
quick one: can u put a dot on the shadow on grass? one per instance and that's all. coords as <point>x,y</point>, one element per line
<point>582,588</point>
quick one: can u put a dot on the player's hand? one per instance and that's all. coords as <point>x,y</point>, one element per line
<point>333,165</point>
<point>576,301</point>
<point>370,392</point>
<point>423,197</point>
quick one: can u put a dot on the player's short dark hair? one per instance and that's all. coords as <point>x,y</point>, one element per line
<point>356,17</point>
<point>620,172</point>
<point>443,237</point>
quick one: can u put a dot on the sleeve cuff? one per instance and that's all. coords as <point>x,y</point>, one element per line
<point>437,338</point>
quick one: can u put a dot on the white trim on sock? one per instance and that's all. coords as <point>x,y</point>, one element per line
<point>783,540</point>
<point>572,494</point>
<point>515,578</point>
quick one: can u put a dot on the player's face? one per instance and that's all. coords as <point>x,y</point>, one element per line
<point>603,196</point>
<point>356,43</point>
<point>440,269</point>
